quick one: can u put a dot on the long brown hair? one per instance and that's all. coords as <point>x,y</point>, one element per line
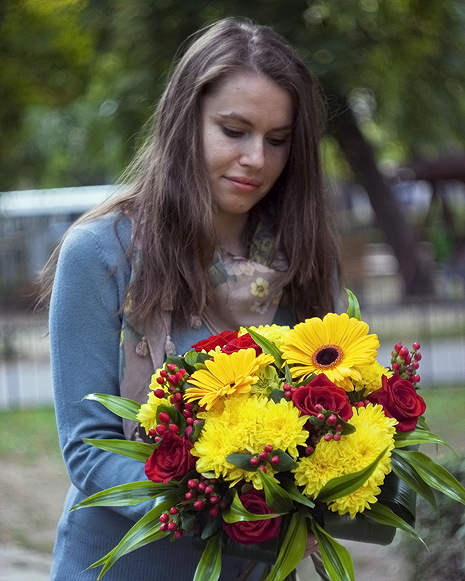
<point>169,197</point>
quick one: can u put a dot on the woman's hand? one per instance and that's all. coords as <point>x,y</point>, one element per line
<point>311,546</point>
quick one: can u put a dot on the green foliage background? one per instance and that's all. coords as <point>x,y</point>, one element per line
<point>78,77</point>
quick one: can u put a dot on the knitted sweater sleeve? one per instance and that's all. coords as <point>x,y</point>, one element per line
<point>85,324</point>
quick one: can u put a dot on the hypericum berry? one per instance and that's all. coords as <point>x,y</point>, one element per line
<point>287,394</point>
<point>171,367</point>
<point>403,352</point>
<point>159,393</point>
<point>214,499</point>
<point>173,428</point>
<point>158,439</point>
<point>202,486</point>
<point>178,534</point>
<point>223,504</point>
<point>398,346</point>
<point>314,439</point>
<point>213,511</point>
<point>262,468</point>
<point>172,526</point>
<point>178,396</point>
<point>337,437</point>
<point>160,381</point>
<point>189,495</point>
<point>189,405</point>
<point>416,378</point>
<point>294,389</point>
<point>191,484</point>
<point>416,346</point>
<point>360,404</point>
<point>339,428</point>
<point>198,504</point>
<point>173,510</point>
<point>275,460</point>
<point>328,437</point>
<point>318,407</point>
<point>164,417</point>
<point>332,420</point>
<point>164,517</point>
<point>172,379</point>
<point>415,364</point>
<point>179,375</point>
<point>268,448</point>
<point>254,460</point>
<point>164,526</point>
<point>189,421</point>
<point>263,455</point>
<point>208,490</point>
<point>395,366</point>
<point>152,432</point>
<point>417,356</point>
<point>197,421</point>
<point>161,429</point>
<point>309,450</point>
<point>321,417</point>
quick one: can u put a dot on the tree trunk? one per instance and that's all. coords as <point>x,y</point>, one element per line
<point>417,277</point>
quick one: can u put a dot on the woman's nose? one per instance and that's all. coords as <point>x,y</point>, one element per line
<point>253,154</point>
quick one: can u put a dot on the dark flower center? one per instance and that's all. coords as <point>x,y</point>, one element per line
<point>327,356</point>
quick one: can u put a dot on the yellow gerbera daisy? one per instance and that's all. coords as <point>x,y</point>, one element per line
<point>226,374</point>
<point>335,345</point>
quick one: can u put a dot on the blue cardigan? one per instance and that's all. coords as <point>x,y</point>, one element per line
<point>85,323</point>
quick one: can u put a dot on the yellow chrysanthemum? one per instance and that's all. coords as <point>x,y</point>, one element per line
<point>315,471</point>
<point>370,378</point>
<point>281,425</point>
<point>148,411</point>
<point>154,383</point>
<point>335,345</point>
<point>374,433</point>
<point>274,333</point>
<point>225,375</point>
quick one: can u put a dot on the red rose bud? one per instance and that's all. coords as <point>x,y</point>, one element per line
<point>178,534</point>
<point>251,532</point>
<point>198,504</point>
<point>164,417</point>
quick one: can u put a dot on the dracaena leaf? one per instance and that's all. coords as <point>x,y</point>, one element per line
<point>125,408</point>
<point>137,450</point>
<point>336,558</point>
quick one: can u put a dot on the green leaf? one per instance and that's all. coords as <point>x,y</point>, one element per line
<point>385,516</point>
<point>212,526</point>
<point>267,347</point>
<point>146,530</point>
<point>193,358</point>
<point>175,415</point>
<point>354,307</point>
<point>287,374</point>
<point>276,497</point>
<point>209,567</point>
<point>125,408</point>
<point>126,494</point>
<point>137,450</point>
<point>434,474</point>
<point>277,395</point>
<point>415,437</point>
<point>343,485</point>
<point>197,429</point>
<point>336,558</point>
<point>292,550</point>
<point>286,463</point>
<point>290,487</point>
<point>242,460</point>
<point>403,470</point>
<point>236,512</point>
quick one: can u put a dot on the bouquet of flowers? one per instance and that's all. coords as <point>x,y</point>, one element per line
<point>261,436</point>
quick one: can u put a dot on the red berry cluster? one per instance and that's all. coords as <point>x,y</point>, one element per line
<point>406,363</point>
<point>203,495</point>
<point>289,390</point>
<point>326,426</point>
<point>265,455</point>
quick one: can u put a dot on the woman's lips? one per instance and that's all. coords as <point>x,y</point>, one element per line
<point>243,184</point>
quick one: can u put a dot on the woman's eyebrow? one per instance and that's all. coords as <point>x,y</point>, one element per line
<point>245,121</point>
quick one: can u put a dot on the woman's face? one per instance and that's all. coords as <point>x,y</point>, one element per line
<point>246,135</point>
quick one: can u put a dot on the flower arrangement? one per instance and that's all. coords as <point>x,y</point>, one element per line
<point>260,436</point>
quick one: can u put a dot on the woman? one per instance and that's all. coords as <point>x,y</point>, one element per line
<point>223,223</point>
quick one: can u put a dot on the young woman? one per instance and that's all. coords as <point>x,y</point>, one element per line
<point>222,224</point>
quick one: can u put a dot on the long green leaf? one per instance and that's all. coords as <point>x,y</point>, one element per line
<point>146,530</point>
<point>276,497</point>
<point>137,450</point>
<point>237,512</point>
<point>290,487</point>
<point>209,567</point>
<point>354,307</point>
<point>343,485</point>
<point>267,346</point>
<point>434,474</point>
<point>125,408</point>
<point>421,436</point>
<point>126,494</point>
<point>336,558</point>
<point>292,550</point>
<point>385,516</point>
<point>403,470</point>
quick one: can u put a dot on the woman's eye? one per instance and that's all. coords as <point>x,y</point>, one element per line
<point>276,142</point>
<point>231,132</point>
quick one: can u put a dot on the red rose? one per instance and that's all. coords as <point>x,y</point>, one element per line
<point>243,342</point>
<point>254,531</point>
<point>401,401</point>
<point>323,392</point>
<point>171,460</point>
<point>215,341</point>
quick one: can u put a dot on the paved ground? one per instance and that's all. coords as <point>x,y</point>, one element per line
<point>17,564</point>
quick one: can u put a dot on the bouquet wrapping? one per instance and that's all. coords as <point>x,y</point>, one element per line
<point>258,437</point>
